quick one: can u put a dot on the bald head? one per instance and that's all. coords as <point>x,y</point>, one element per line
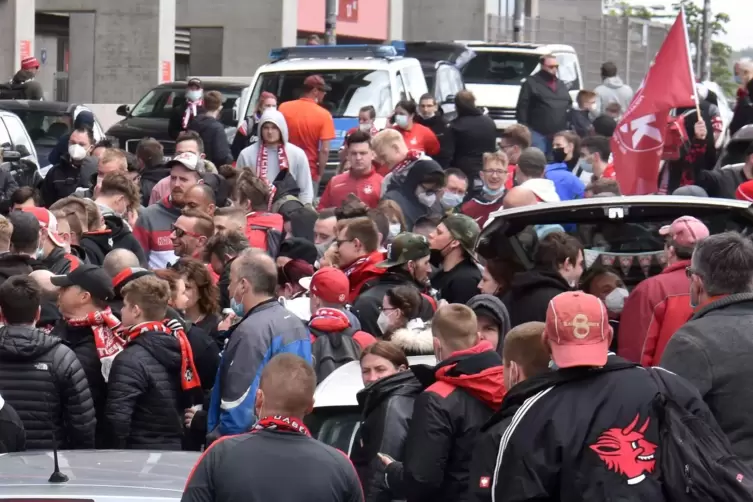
<point>519,197</point>
<point>118,260</point>
<point>258,269</point>
<point>286,387</point>
<point>201,198</point>
<point>42,278</point>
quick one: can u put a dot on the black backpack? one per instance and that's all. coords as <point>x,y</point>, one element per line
<point>696,461</point>
<point>9,90</point>
<point>332,350</point>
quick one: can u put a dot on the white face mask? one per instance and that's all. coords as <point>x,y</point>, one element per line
<point>394,230</point>
<point>76,152</point>
<point>401,120</point>
<point>364,127</point>
<point>426,199</point>
<point>194,95</point>
<point>383,322</point>
<point>615,301</point>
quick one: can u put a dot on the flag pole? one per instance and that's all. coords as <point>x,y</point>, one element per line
<point>690,60</point>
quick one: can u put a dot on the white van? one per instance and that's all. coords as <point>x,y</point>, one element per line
<point>497,71</point>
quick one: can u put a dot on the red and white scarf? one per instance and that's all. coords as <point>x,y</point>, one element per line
<point>410,158</point>
<point>105,327</point>
<point>192,109</point>
<point>189,377</point>
<point>281,423</point>
<point>262,167</point>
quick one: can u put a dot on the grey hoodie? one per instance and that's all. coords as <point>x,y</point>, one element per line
<point>297,161</point>
<point>613,90</point>
<point>490,304</point>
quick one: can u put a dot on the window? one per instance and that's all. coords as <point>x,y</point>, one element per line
<point>500,68</point>
<point>568,71</point>
<point>448,83</point>
<point>160,102</point>
<point>4,136</point>
<point>18,134</point>
<point>414,80</point>
<point>351,90</point>
<point>336,426</point>
<point>401,91</point>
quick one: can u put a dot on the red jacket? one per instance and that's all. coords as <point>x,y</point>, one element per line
<point>364,269</point>
<point>367,188</point>
<point>420,138</point>
<point>333,321</point>
<point>655,309</point>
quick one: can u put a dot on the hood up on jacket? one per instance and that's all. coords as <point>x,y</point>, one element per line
<point>524,282</point>
<point>277,119</point>
<point>418,172</point>
<point>542,188</point>
<point>613,82</point>
<point>100,242</point>
<point>491,306</point>
<point>18,343</point>
<point>403,383</point>
<point>415,339</point>
<point>164,347</point>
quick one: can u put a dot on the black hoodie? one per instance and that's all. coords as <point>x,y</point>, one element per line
<point>117,236</point>
<point>301,217</point>
<point>144,400</point>
<point>405,193</point>
<point>15,264</point>
<point>212,132</point>
<point>473,135</point>
<point>150,176</point>
<point>386,410</point>
<point>44,382</point>
<point>530,293</point>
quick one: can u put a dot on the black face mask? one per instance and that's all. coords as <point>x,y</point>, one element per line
<point>558,155</point>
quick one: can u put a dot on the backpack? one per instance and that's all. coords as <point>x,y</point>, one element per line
<point>695,460</point>
<point>8,90</point>
<point>264,237</point>
<point>329,351</point>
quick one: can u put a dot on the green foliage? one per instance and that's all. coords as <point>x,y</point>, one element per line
<point>627,10</point>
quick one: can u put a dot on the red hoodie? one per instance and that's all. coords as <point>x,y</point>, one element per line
<point>362,270</point>
<point>333,321</point>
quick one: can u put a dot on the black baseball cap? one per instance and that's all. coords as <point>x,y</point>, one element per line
<point>90,278</point>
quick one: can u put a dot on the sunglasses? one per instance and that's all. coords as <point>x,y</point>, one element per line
<point>179,232</point>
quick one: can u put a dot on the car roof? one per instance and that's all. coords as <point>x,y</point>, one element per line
<point>479,45</point>
<point>324,64</point>
<point>135,473</point>
<point>342,385</point>
<point>207,85</point>
<point>26,104</point>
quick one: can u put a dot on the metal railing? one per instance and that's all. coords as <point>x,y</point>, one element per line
<point>629,43</point>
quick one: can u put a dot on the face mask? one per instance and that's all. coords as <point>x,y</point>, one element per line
<point>427,115</point>
<point>558,155</point>
<point>383,322</point>
<point>426,199</point>
<point>39,254</point>
<point>238,308</point>
<point>738,79</point>
<point>401,121</point>
<point>365,127</point>
<point>493,193</point>
<point>395,229</point>
<point>615,300</point>
<point>194,95</point>
<point>450,200</point>
<point>76,152</point>
<point>586,166</point>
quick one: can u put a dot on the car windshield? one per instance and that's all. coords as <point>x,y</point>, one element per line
<point>160,103</point>
<point>351,90</point>
<point>335,426</point>
<point>45,128</point>
<point>499,68</point>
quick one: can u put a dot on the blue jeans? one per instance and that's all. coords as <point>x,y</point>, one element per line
<point>541,142</point>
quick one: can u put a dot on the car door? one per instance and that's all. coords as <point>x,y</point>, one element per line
<point>19,137</point>
<point>569,72</point>
<point>447,84</point>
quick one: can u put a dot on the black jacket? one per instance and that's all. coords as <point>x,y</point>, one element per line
<point>145,401</point>
<point>59,262</point>
<point>542,109</point>
<point>473,135</point>
<point>272,465</point>
<point>459,284</point>
<point>463,393</point>
<point>593,437</point>
<point>301,217</point>
<point>8,185</point>
<point>44,382</point>
<point>24,81</point>
<point>530,293</point>
<point>150,176</point>
<point>405,193</point>
<point>12,435</point>
<point>81,341</point>
<point>368,305</point>
<point>580,122</point>
<point>441,129</point>
<point>64,178</point>
<point>743,114</point>
<point>15,264</point>
<point>212,132</point>
<point>117,236</point>
<point>386,410</point>
<point>246,135</point>
<point>175,124</point>
<point>723,182</point>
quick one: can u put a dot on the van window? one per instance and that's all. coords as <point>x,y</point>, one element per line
<point>402,93</point>
<point>351,90</point>
<point>568,71</point>
<point>499,68</point>
<point>4,137</point>
<point>18,133</point>
<point>414,81</point>
<point>449,82</point>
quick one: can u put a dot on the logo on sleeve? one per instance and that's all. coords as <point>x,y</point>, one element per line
<point>627,451</point>
<point>484,482</point>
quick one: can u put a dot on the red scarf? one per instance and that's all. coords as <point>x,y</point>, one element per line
<point>192,109</point>
<point>105,327</point>
<point>362,270</point>
<point>189,377</point>
<point>410,158</point>
<point>262,164</point>
<point>281,423</point>
<point>329,320</point>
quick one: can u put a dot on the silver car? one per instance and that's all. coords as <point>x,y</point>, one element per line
<point>96,476</point>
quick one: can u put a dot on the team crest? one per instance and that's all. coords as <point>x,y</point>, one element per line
<point>627,451</point>
<point>368,189</point>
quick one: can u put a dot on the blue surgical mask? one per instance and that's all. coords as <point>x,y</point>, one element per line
<point>493,193</point>
<point>238,308</point>
<point>450,200</point>
<point>401,121</point>
<point>586,165</point>
<point>194,95</point>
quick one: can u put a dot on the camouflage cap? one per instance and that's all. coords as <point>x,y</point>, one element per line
<point>406,247</point>
<point>464,229</point>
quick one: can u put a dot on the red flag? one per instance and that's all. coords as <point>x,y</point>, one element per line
<point>639,137</point>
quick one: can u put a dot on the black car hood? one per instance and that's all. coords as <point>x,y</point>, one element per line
<point>137,127</point>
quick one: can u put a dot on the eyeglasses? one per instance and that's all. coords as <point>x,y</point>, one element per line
<point>179,232</point>
<point>344,241</point>
<point>494,172</point>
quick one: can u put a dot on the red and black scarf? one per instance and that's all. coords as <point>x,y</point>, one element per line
<point>105,327</point>
<point>410,158</point>
<point>281,423</point>
<point>189,377</point>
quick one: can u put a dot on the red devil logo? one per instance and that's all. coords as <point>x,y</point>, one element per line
<point>626,451</point>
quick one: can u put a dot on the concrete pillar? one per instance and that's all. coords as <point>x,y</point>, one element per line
<point>396,20</point>
<point>81,68</point>
<point>16,35</point>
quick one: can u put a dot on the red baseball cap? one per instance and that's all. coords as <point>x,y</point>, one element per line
<point>47,221</point>
<point>685,231</point>
<point>316,82</point>
<point>578,330</point>
<point>745,191</point>
<point>328,283</point>
<point>29,63</point>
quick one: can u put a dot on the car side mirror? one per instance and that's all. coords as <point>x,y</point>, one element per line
<point>227,117</point>
<point>123,110</point>
<point>23,151</point>
<point>10,155</point>
<point>449,100</point>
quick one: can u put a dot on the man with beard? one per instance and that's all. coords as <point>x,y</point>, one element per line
<point>154,226</point>
<point>407,263</point>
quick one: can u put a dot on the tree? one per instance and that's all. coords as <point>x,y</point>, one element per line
<point>627,10</point>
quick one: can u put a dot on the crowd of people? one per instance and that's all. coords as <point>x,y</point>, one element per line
<point>196,303</point>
